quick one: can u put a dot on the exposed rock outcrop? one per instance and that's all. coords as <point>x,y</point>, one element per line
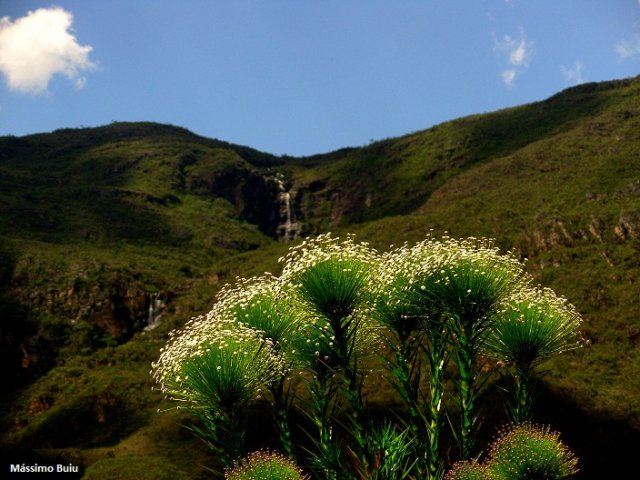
<point>119,309</point>
<point>263,199</point>
<point>628,226</point>
<point>76,318</point>
<point>557,230</point>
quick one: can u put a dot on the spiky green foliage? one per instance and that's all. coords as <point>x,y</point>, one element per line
<point>264,465</point>
<point>464,283</point>
<point>390,455</point>
<point>329,284</point>
<point>530,452</point>
<point>330,293</point>
<point>215,368</point>
<point>216,364</point>
<point>468,470</point>
<point>533,325</point>
<point>255,303</point>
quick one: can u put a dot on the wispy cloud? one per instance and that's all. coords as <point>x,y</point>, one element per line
<point>516,53</point>
<point>508,76</point>
<point>573,74</point>
<point>628,48</point>
<point>38,46</point>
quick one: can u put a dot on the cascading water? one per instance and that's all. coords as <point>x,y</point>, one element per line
<point>154,316</point>
<point>288,229</point>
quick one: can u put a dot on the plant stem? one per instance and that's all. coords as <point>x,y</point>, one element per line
<point>519,409</point>
<point>352,391</point>
<point>281,407</point>
<point>407,370</point>
<point>222,434</point>
<point>434,426</point>
<point>322,392</point>
<point>466,394</point>
<point>344,330</point>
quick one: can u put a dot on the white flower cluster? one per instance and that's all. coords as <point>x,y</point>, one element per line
<point>256,303</point>
<point>212,356</point>
<point>331,290</point>
<point>329,283</point>
<point>244,292</point>
<point>533,324</point>
<point>432,256</point>
<point>447,276</point>
<point>325,247</point>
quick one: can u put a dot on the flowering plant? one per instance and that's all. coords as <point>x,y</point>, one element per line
<point>264,465</point>
<point>434,305</point>
<point>533,325</point>
<point>215,368</point>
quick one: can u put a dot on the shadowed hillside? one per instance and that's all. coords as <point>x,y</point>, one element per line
<point>105,231</point>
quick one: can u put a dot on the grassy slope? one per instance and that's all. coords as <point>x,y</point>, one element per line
<point>114,189</point>
<point>542,177</point>
<point>112,206</point>
<point>396,176</point>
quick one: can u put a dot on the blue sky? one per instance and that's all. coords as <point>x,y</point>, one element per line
<point>300,77</point>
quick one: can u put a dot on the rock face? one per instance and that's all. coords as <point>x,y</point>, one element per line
<point>118,309</point>
<point>263,199</point>
<point>560,231</point>
<point>628,226</point>
<point>40,323</point>
<point>321,206</point>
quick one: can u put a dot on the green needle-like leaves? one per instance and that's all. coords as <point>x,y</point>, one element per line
<point>263,465</point>
<point>533,325</point>
<point>529,452</point>
<point>436,303</point>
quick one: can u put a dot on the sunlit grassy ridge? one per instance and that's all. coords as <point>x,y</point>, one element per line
<point>131,204</point>
<point>399,175</point>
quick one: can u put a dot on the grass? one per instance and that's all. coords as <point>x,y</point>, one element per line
<point>133,467</point>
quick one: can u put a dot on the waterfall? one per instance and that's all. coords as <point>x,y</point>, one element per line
<point>288,229</point>
<point>155,312</point>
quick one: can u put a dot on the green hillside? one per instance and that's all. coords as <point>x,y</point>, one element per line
<point>97,225</point>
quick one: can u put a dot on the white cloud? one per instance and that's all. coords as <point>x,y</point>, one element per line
<point>516,52</point>
<point>628,48</point>
<point>38,46</point>
<point>573,74</point>
<point>508,76</point>
<point>519,54</point>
